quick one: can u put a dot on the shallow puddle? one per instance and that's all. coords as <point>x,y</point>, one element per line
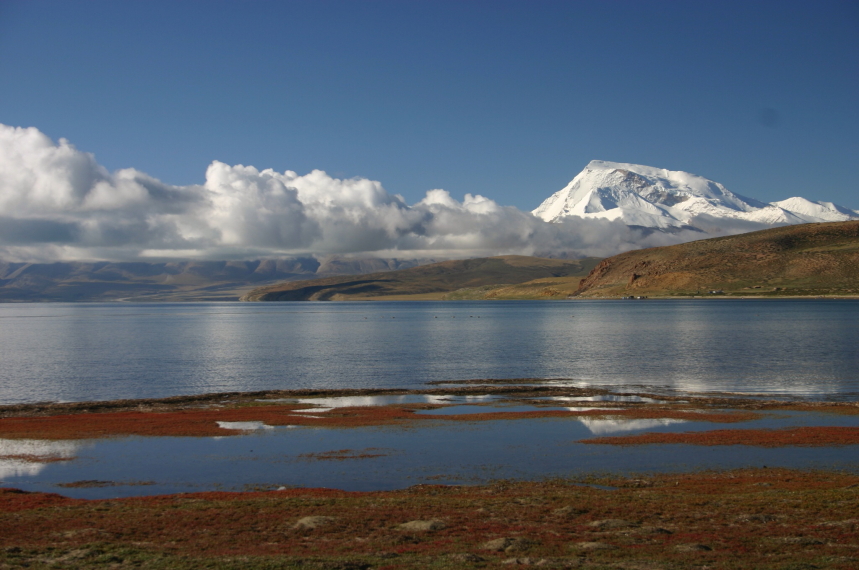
<point>262,457</point>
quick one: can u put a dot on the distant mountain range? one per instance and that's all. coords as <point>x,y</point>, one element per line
<point>172,281</point>
<point>667,200</point>
<point>455,279</point>
<point>801,260</point>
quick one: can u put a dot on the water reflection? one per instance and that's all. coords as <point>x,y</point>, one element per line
<point>111,351</point>
<point>605,398</point>
<point>244,426</point>
<point>29,457</point>
<point>607,426</point>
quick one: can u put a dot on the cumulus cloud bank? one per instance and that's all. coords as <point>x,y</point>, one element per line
<point>58,203</point>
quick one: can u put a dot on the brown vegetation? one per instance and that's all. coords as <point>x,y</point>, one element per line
<point>797,437</point>
<point>810,259</point>
<point>763,519</point>
<point>198,415</point>
<point>203,422</point>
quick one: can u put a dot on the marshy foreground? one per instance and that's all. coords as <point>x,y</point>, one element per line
<point>776,516</point>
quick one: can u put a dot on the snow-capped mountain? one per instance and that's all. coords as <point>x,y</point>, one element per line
<point>665,199</point>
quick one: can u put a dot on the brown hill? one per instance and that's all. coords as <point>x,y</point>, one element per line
<point>432,281</point>
<point>810,259</point>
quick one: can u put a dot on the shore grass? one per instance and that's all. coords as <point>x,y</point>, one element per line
<point>762,518</point>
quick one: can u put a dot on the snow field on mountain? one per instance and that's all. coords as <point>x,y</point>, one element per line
<point>657,198</point>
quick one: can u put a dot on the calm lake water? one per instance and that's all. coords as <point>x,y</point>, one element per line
<point>76,352</point>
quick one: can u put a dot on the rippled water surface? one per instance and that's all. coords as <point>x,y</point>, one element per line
<point>72,352</point>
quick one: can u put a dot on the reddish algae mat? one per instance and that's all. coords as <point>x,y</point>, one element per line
<point>203,422</point>
<point>798,436</point>
<point>763,519</point>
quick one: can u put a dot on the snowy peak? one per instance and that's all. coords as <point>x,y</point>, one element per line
<point>658,198</point>
<point>668,186</point>
<point>825,211</point>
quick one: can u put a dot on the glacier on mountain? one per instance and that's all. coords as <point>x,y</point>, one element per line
<point>670,200</point>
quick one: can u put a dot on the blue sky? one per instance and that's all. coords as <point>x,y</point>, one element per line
<point>505,99</point>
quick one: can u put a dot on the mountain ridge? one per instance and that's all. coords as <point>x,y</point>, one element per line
<point>433,281</point>
<point>652,197</point>
<point>71,281</point>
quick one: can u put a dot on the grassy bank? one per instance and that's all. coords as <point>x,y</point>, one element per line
<point>765,518</point>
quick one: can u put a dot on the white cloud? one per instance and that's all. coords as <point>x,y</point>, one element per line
<point>58,203</point>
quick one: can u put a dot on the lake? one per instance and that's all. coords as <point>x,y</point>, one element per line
<point>104,351</point>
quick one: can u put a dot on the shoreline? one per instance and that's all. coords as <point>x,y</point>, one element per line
<point>512,388</point>
<point>209,415</point>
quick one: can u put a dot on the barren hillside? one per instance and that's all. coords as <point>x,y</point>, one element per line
<point>428,281</point>
<point>809,259</point>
